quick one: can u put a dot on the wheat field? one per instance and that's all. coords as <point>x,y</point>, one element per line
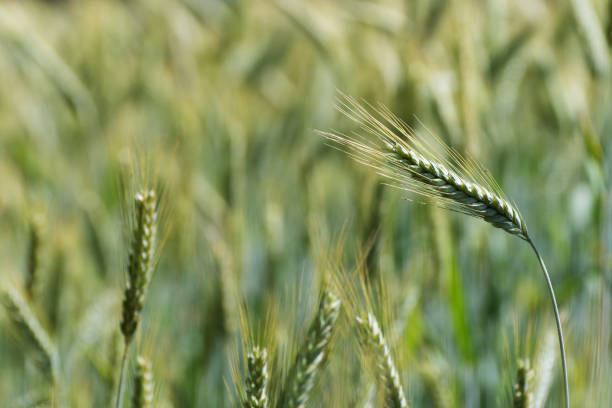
<point>229,203</point>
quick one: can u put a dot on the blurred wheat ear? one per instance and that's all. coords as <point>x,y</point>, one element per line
<point>312,353</point>
<point>257,379</point>
<point>544,363</point>
<point>32,333</point>
<point>140,263</point>
<point>522,395</point>
<point>143,384</point>
<point>373,338</point>
<point>431,169</point>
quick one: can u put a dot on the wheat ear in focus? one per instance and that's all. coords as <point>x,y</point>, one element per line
<point>427,167</point>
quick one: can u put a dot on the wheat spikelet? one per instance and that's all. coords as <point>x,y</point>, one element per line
<point>140,262</point>
<point>143,384</point>
<point>31,331</point>
<point>416,165</point>
<point>522,395</point>
<point>372,336</point>
<point>478,200</point>
<point>257,379</point>
<point>312,353</point>
<point>113,365</point>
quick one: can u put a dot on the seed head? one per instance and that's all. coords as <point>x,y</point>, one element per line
<point>140,262</point>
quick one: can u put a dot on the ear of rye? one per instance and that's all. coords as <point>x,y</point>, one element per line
<point>425,166</point>
<point>140,262</point>
<point>257,379</point>
<point>143,384</point>
<point>312,353</point>
<point>373,338</point>
<point>522,395</point>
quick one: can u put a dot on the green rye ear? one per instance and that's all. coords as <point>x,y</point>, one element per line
<point>373,338</point>
<point>312,353</point>
<point>143,384</point>
<point>257,379</point>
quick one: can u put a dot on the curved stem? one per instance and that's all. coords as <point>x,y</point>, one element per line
<point>557,320</point>
<point>119,402</point>
<point>54,392</point>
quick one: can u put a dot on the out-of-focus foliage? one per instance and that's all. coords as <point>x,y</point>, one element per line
<point>224,98</point>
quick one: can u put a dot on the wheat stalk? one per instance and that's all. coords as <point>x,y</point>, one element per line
<point>372,336</point>
<point>31,331</point>
<point>143,384</point>
<point>522,395</point>
<point>34,255</point>
<point>54,290</point>
<point>312,353</point>
<point>257,379</point>
<point>140,263</point>
<point>431,169</point>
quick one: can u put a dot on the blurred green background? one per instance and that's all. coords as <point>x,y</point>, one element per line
<point>224,98</point>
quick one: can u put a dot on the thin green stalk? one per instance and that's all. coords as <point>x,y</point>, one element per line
<point>119,402</point>
<point>557,320</point>
<point>34,255</point>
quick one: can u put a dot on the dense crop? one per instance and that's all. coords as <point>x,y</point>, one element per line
<point>166,195</point>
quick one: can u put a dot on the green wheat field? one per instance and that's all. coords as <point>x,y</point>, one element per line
<point>305,203</point>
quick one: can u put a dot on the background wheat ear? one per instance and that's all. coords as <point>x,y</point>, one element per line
<point>434,370</point>
<point>426,166</point>
<point>139,269</point>
<point>31,332</point>
<point>374,340</point>
<point>140,262</point>
<point>522,395</point>
<point>256,384</point>
<point>544,363</point>
<point>143,384</point>
<point>312,353</point>
<point>252,357</point>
